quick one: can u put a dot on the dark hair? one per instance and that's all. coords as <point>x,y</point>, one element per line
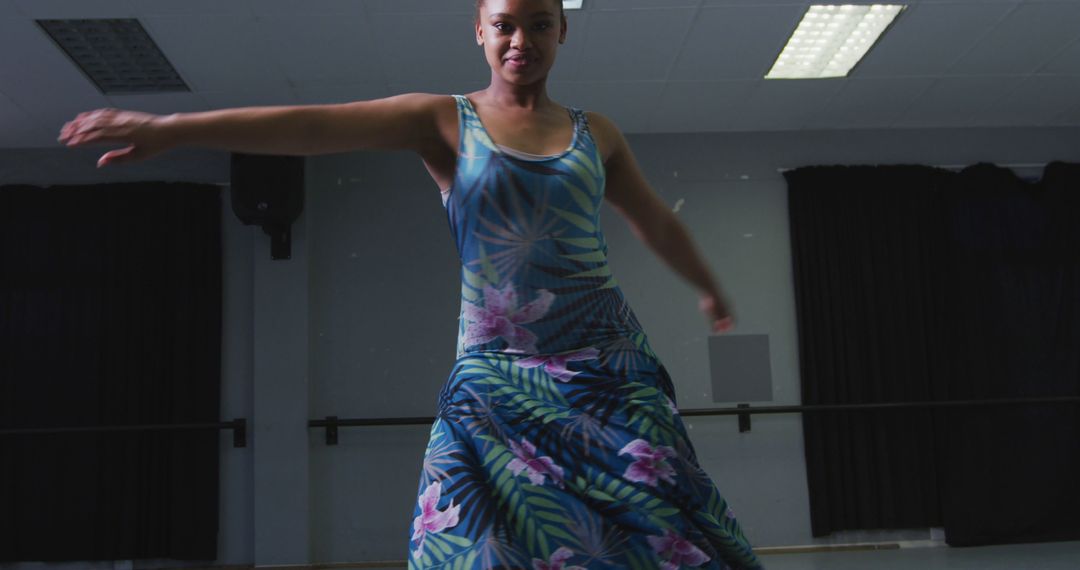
<point>562,11</point>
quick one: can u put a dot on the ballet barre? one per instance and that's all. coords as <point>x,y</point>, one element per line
<point>743,411</point>
<point>238,427</point>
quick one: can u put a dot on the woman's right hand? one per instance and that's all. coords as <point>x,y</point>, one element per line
<point>142,132</point>
<point>717,310</point>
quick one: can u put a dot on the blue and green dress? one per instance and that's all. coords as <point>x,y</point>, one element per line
<point>557,443</point>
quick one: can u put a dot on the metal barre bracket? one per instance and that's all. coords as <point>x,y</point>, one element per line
<point>239,434</point>
<point>744,419</point>
<point>331,430</point>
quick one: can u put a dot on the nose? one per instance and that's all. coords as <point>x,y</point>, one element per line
<point>520,39</point>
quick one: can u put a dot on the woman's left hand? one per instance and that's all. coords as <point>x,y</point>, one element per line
<point>718,310</point>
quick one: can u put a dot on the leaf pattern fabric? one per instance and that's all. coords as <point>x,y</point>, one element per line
<point>557,444</point>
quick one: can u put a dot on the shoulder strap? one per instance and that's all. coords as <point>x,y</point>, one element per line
<point>580,120</point>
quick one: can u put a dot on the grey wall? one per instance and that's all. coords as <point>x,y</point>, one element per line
<point>375,334</point>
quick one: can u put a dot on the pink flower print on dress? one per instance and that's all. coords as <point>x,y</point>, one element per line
<point>556,364</point>
<point>431,518</point>
<point>536,468</point>
<point>676,551</point>
<point>557,559</point>
<point>651,463</point>
<point>500,317</point>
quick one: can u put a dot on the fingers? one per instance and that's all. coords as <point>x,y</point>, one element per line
<point>724,325</point>
<point>120,155</point>
<point>84,138</point>
<point>84,124</point>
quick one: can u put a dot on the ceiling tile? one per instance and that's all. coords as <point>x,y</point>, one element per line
<point>42,81</point>
<point>1028,38</point>
<point>1035,101</point>
<point>926,38</point>
<point>248,98</point>
<point>160,103</point>
<point>593,5</point>
<point>66,9</point>
<point>779,104</point>
<point>699,106</point>
<point>21,130</point>
<point>267,7</point>
<point>630,104</point>
<point>614,49</point>
<point>229,51</point>
<point>8,8</point>
<point>955,101</point>
<point>945,63</point>
<point>190,7</point>
<point>334,48</point>
<point>803,3</point>
<point>417,6</point>
<point>1070,117</point>
<point>310,94</point>
<point>1066,62</point>
<point>436,47</point>
<point>735,42</point>
<point>870,102</point>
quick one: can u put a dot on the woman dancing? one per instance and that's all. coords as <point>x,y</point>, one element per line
<point>557,443</point>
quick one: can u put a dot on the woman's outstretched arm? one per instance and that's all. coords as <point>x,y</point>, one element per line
<point>653,222</point>
<point>405,122</point>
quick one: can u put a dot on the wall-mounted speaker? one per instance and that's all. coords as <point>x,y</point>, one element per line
<point>268,191</point>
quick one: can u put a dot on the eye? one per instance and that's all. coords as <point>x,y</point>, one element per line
<point>541,26</point>
<point>503,27</point>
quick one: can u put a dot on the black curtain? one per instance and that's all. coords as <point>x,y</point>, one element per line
<point>865,256</point>
<point>1013,285</point>
<point>921,284</point>
<point>110,314</point>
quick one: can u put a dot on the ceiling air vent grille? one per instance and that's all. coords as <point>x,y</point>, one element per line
<point>116,54</point>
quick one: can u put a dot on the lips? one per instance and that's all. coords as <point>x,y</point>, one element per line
<point>519,60</point>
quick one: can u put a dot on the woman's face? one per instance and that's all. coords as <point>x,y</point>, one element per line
<point>520,37</point>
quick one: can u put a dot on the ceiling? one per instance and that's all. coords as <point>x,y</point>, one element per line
<point>651,65</point>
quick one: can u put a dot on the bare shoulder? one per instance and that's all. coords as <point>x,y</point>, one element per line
<point>446,117</point>
<point>441,107</point>
<point>442,111</point>
<point>429,101</point>
<point>607,135</point>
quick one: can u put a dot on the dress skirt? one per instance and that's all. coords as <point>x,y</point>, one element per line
<point>564,462</point>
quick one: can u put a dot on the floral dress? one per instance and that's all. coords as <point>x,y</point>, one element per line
<point>557,443</point>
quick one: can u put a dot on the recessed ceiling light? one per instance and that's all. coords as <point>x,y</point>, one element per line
<point>572,4</point>
<point>831,39</point>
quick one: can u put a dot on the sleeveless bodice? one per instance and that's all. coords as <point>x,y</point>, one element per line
<point>534,275</point>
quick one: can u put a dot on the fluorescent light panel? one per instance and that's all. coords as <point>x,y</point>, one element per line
<point>572,4</point>
<point>831,39</point>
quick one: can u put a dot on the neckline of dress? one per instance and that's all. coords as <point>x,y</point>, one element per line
<point>498,148</point>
